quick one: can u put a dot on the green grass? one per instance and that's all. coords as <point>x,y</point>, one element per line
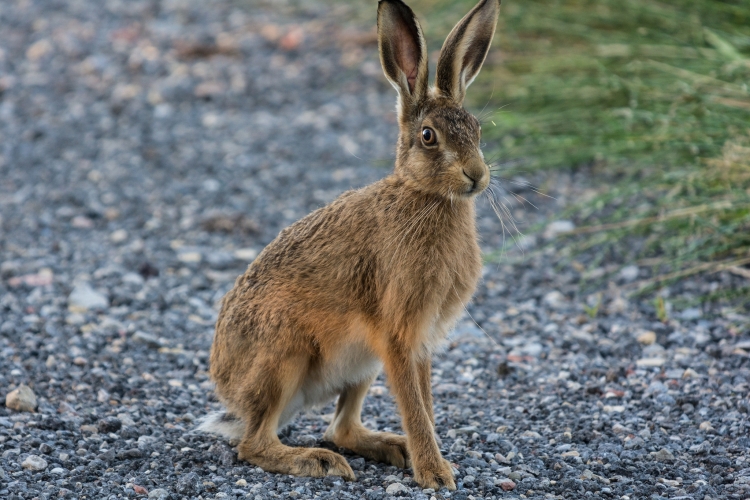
<point>651,97</point>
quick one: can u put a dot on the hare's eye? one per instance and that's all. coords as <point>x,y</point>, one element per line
<point>429,137</point>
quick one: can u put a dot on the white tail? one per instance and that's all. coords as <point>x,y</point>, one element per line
<point>223,424</point>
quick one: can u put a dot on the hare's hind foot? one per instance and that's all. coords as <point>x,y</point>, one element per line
<point>312,462</point>
<point>346,430</point>
<point>378,446</point>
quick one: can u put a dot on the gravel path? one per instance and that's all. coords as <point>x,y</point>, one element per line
<point>151,149</point>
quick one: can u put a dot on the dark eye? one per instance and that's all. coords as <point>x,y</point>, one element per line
<point>429,137</point>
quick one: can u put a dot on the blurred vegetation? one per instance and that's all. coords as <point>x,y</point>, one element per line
<point>650,97</point>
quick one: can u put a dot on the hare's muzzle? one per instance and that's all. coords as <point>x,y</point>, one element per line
<point>476,177</point>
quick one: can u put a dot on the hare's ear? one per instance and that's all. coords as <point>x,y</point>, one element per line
<point>465,48</point>
<point>403,52</point>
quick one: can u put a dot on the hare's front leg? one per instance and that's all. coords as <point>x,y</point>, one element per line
<point>267,390</point>
<point>410,384</point>
<point>424,368</point>
<point>346,430</point>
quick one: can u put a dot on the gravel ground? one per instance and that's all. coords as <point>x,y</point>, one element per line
<point>151,149</point>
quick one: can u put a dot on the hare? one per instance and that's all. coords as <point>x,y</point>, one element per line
<point>375,280</point>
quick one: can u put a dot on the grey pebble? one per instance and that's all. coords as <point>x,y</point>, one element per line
<point>158,494</point>
<point>34,463</point>
<point>84,297</point>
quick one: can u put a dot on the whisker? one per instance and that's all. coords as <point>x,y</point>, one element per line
<point>519,198</point>
<point>475,321</point>
<point>490,113</point>
<point>502,212</point>
<point>488,100</point>
<point>524,184</point>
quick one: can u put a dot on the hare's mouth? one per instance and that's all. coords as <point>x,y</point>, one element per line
<point>474,184</point>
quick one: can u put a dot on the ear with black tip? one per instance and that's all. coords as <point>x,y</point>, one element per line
<point>403,51</point>
<point>465,49</point>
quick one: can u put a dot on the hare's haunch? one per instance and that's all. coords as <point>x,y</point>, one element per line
<point>373,281</point>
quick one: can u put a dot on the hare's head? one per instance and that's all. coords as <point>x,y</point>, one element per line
<point>438,148</point>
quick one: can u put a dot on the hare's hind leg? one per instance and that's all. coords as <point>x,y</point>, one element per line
<point>346,430</point>
<point>268,392</point>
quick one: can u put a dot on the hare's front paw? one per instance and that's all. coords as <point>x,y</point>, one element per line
<point>435,476</point>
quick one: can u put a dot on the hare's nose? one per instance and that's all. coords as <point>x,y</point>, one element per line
<point>473,181</point>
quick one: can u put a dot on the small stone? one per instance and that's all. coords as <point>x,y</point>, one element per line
<point>664,455</point>
<point>690,373</point>
<point>107,456</point>
<point>396,488</point>
<point>79,361</point>
<point>527,434</point>
<point>618,428</point>
<point>613,408</point>
<point>650,362</point>
<point>132,453</point>
<point>189,484</point>
<point>673,374</point>
<point>57,470</point>
<point>84,297</point>
<point>140,489</point>
<point>118,236</point>
<point>109,424</point>
<point>555,299</point>
<point>647,338</point>
<point>533,349</point>
<point>125,419</point>
<point>102,396</point>
<point>149,339</point>
<point>241,483</point>
<point>706,426</point>
<point>629,273</point>
<point>75,319</point>
<point>691,313</point>
<point>44,277</point>
<point>654,350</point>
<point>507,485</point>
<point>558,227</point>
<point>90,429</point>
<point>34,462</point>
<point>246,254</point>
<point>21,399</point>
<point>618,305</point>
<point>190,257</point>
<point>39,49</point>
<point>158,494</point>
<point>82,222</point>
<point>305,439</point>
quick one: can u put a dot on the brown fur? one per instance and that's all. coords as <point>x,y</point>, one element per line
<point>375,279</point>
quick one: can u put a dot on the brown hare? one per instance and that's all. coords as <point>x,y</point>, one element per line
<point>374,280</point>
